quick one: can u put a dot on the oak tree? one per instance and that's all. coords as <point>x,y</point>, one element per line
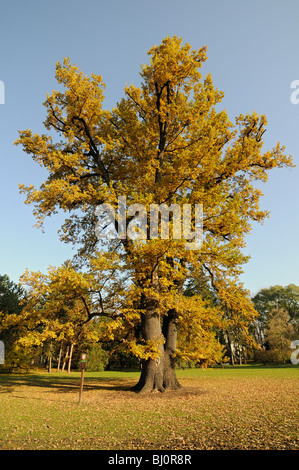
<point>165,142</point>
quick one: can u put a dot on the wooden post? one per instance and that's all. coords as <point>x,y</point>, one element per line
<point>81,385</point>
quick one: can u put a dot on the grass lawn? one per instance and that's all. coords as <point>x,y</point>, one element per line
<point>247,407</point>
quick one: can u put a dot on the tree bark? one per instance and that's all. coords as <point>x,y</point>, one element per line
<point>151,378</point>
<point>65,359</point>
<point>158,374</point>
<point>169,330</point>
<point>70,358</point>
<point>59,359</point>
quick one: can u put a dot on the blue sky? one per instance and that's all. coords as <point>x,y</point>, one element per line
<point>252,50</point>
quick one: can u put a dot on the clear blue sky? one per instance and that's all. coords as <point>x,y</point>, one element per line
<point>253,56</point>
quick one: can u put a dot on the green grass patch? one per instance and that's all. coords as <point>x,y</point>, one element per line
<point>249,407</point>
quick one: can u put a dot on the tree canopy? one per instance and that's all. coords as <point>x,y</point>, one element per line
<point>278,297</point>
<point>165,142</point>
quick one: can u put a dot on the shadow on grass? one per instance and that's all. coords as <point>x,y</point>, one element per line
<point>10,384</point>
<point>63,384</point>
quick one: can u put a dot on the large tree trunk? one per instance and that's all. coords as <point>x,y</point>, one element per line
<point>151,378</point>
<point>170,380</point>
<point>158,374</point>
<point>169,330</point>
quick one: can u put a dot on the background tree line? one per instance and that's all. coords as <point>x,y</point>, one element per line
<point>35,345</point>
